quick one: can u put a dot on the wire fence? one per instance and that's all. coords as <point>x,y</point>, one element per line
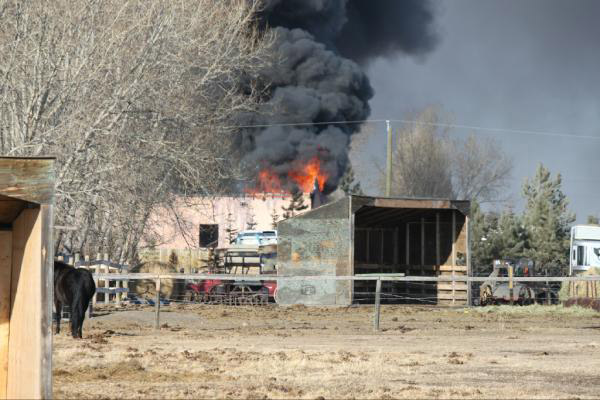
<point>547,285</point>
<point>113,285</point>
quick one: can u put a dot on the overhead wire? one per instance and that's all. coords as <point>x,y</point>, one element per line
<point>436,124</point>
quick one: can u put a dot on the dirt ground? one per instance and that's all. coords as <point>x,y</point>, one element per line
<point>299,352</point>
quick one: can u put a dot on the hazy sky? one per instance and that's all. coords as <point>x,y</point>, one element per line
<point>513,64</point>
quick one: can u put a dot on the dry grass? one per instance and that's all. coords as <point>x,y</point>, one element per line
<point>539,310</point>
<point>297,352</point>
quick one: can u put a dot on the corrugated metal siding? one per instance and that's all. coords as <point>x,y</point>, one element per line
<point>316,243</point>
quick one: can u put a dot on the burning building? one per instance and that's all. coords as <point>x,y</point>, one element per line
<point>202,222</point>
<point>317,93</point>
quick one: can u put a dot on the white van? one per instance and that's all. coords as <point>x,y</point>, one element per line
<point>256,238</point>
<point>248,238</point>
<point>585,248</point>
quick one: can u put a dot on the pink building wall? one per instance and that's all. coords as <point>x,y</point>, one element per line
<point>183,232</point>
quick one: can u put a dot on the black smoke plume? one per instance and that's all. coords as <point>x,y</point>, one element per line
<point>322,45</point>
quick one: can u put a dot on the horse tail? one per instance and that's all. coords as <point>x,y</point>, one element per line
<point>81,299</point>
<point>78,307</point>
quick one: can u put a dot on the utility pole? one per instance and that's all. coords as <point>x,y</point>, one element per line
<point>388,176</point>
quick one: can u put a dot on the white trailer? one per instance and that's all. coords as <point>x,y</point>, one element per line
<point>585,248</point>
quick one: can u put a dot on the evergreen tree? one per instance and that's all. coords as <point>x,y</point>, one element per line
<point>511,236</point>
<point>229,229</point>
<point>494,237</point>
<point>547,221</point>
<point>173,259</point>
<point>296,204</point>
<point>593,219</point>
<point>348,182</point>
<point>274,219</point>
<point>483,241</point>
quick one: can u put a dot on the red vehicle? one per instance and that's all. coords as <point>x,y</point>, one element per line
<point>217,291</point>
<point>224,291</point>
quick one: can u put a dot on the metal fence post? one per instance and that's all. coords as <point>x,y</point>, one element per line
<point>377,305</point>
<point>157,305</point>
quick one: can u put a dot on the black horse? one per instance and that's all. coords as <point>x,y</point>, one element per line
<point>73,287</point>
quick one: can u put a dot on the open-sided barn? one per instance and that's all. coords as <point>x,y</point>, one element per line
<point>361,235</point>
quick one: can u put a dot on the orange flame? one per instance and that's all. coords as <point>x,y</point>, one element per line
<point>268,182</point>
<point>305,175</point>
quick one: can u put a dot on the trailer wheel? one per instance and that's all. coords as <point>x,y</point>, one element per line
<point>486,296</point>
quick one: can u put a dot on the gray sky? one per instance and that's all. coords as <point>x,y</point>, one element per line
<point>513,64</point>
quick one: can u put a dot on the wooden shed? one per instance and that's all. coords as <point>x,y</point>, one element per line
<point>26,277</point>
<point>376,235</point>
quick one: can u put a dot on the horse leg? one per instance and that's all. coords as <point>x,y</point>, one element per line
<point>58,308</point>
<point>82,309</point>
<point>76,318</point>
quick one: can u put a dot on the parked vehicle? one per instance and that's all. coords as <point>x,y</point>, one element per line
<point>585,248</point>
<point>217,291</point>
<point>248,238</point>
<point>255,238</point>
<point>494,292</point>
<point>268,237</point>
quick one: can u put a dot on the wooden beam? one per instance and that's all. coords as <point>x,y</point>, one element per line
<point>422,241</point>
<point>47,278</point>
<point>407,244</point>
<point>451,286</point>
<point>450,268</point>
<point>437,239</point>
<point>381,233</point>
<point>396,255</point>
<point>351,248</point>
<point>28,179</point>
<point>410,203</point>
<point>453,251</point>
<point>5,291</point>
<point>453,258</point>
<point>469,270</point>
<point>367,253</point>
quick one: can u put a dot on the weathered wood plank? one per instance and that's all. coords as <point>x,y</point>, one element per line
<point>452,296</point>
<point>448,286</point>
<point>25,341</point>
<point>28,179</point>
<point>5,282</point>
<point>456,268</point>
<point>47,289</point>
<point>410,203</point>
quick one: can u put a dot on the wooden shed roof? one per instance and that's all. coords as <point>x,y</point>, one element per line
<point>26,179</point>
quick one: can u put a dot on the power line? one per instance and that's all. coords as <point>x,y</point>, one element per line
<point>436,124</point>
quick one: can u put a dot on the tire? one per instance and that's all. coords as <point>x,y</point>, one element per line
<point>486,297</point>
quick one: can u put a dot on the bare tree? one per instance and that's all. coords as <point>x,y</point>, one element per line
<point>428,163</point>
<point>422,159</point>
<point>480,169</point>
<point>134,98</point>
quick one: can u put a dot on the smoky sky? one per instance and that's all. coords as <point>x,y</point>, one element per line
<point>527,65</point>
<point>323,47</point>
